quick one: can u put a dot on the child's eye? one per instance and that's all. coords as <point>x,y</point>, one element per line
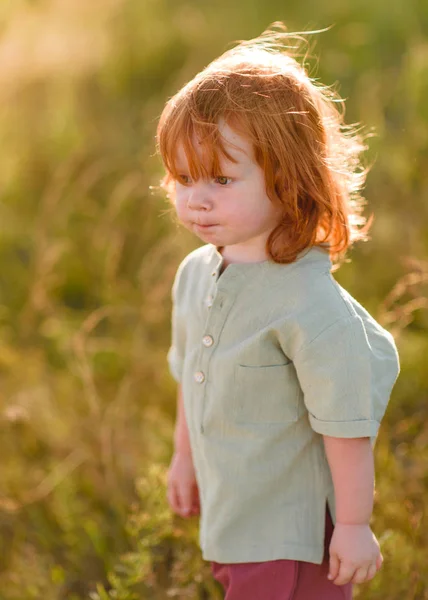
<point>222,180</point>
<point>184,179</point>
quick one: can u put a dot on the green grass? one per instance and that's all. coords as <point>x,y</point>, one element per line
<point>88,253</point>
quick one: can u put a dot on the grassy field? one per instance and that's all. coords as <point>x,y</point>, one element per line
<point>88,251</point>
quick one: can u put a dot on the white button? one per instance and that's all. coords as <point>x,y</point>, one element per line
<point>207,341</point>
<point>199,377</point>
<point>214,273</point>
<point>209,301</point>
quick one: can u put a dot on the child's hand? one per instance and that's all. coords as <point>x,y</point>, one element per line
<point>354,554</point>
<point>183,493</point>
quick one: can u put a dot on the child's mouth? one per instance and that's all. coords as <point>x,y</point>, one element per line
<point>205,226</point>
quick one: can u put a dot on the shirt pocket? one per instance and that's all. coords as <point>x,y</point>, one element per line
<point>266,394</point>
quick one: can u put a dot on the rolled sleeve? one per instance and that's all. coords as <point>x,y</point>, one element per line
<point>346,374</point>
<point>345,429</point>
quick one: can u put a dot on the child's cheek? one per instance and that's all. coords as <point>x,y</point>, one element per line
<point>180,207</point>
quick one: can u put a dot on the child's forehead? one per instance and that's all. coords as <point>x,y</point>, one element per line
<point>237,147</point>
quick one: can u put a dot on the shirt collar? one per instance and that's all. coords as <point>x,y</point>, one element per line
<point>315,253</point>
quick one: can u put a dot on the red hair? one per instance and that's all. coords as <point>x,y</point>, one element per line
<point>310,159</point>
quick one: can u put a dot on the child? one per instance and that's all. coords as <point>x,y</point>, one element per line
<point>283,377</point>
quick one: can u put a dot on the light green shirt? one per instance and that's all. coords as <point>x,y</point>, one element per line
<point>270,358</point>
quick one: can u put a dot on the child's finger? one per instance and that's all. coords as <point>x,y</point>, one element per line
<point>360,575</point>
<point>344,575</point>
<point>185,500</point>
<point>379,561</point>
<point>371,572</point>
<point>334,567</point>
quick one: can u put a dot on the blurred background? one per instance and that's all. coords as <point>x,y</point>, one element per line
<point>89,248</point>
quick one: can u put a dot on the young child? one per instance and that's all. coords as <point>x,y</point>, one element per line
<point>283,377</point>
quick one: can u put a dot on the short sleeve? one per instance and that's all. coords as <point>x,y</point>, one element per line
<point>347,374</point>
<point>175,356</point>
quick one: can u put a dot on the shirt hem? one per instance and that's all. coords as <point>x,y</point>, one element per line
<point>313,554</point>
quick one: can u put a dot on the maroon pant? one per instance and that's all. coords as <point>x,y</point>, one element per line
<point>282,579</point>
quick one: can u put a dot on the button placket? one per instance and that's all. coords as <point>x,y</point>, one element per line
<point>207,342</point>
<point>219,300</point>
<point>215,320</point>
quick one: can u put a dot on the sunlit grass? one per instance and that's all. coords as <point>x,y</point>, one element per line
<point>88,253</point>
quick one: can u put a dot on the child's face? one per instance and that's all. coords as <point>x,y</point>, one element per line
<point>234,208</point>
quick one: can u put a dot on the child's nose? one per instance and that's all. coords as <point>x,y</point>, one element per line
<point>198,198</point>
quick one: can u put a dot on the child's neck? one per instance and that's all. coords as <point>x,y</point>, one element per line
<point>227,260</point>
<point>224,263</point>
